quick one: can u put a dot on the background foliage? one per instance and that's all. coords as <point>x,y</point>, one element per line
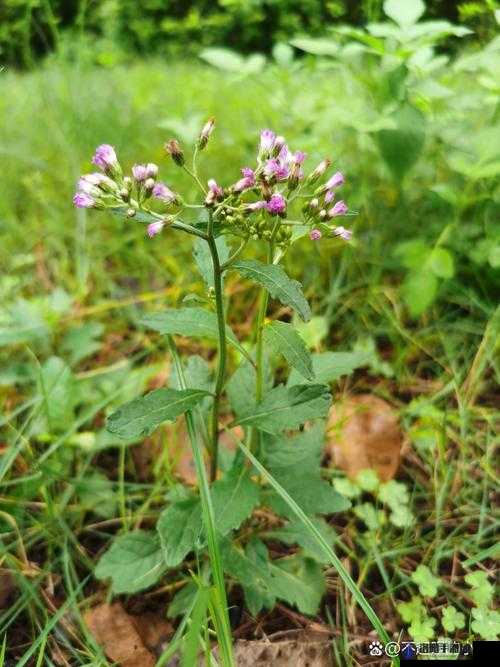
<point>409,112</point>
<point>115,29</point>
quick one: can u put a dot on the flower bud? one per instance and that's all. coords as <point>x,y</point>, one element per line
<point>124,194</point>
<point>131,212</point>
<point>139,172</point>
<point>151,170</point>
<point>344,233</point>
<point>205,133</point>
<point>315,235</point>
<point>318,172</point>
<point>127,182</point>
<point>175,151</point>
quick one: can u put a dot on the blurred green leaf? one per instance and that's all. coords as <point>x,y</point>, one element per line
<point>401,147</point>
<point>419,291</point>
<point>404,12</point>
<point>441,263</point>
<point>133,562</point>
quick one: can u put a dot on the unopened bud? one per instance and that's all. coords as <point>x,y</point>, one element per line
<point>131,212</point>
<point>174,149</point>
<point>124,194</point>
<point>318,172</point>
<point>205,133</point>
<point>149,184</point>
<point>322,214</point>
<point>127,182</point>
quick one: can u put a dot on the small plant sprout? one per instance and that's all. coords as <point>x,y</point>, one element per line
<point>265,208</point>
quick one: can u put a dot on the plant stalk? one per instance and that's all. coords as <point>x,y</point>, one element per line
<point>222,351</point>
<point>222,617</point>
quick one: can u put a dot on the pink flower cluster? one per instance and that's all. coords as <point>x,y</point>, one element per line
<point>267,190</point>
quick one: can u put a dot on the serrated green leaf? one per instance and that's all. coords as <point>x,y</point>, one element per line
<point>140,417</point>
<point>329,366</point>
<point>283,339</point>
<point>274,279</point>
<point>203,258</point>
<point>394,494</point>
<point>428,584</point>
<point>412,610</point>
<point>452,619</point>
<point>486,623</point>
<point>373,518</point>
<point>196,322</point>
<point>296,580</point>
<point>296,533</point>
<point>241,387</point>
<point>133,562</point>
<point>197,375</point>
<point>482,590</point>
<point>422,630</point>
<point>287,408</point>
<point>441,263</point>
<point>301,452</point>
<point>234,498</point>
<point>180,529</point>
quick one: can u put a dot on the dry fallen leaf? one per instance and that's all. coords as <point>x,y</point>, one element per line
<point>363,433</point>
<point>302,651</point>
<point>131,641</point>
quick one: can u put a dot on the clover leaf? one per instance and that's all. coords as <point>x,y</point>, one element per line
<point>428,584</point>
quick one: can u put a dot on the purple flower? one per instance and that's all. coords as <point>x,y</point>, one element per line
<point>86,186</point>
<point>140,172</point>
<point>267,138</point>
<point>344,233</point>
<point>216,190</point>
<point>279,142</point>
<point>315,235</point>
<point>334,181</point>
<point>340,208</point>
<point>276,205</point>
<point>330,196</point>
<point>299,157</point>
<point>164,193</point>
<point>248,180</point>
<point>255,206</point>
<point>105,157</point>
<point>83,200</point>
<point>155,228</point>
<point>275,168</point>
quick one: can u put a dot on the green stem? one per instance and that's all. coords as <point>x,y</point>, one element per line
<point>222,620</point>
<point>221,367</point>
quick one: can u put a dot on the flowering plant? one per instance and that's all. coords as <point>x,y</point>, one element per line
<point>285,472</point>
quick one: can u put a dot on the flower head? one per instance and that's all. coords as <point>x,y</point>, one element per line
<point>267,138</point>
<point>339,208</point>
<point>334,181</point>
<point>299,157</point>
<point>217,190</point>
<point>248,180</point>
<point>164,193</point>
<point>329,196</point>
<point>140,172</point>
<point>155,228</point>
<point>255,206</point>
<point>344,233</point>
<point>276,205</point>
<point>276,168</point>
<point>105,157</point>
<point>83,200</point>
<point>315,235</point>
